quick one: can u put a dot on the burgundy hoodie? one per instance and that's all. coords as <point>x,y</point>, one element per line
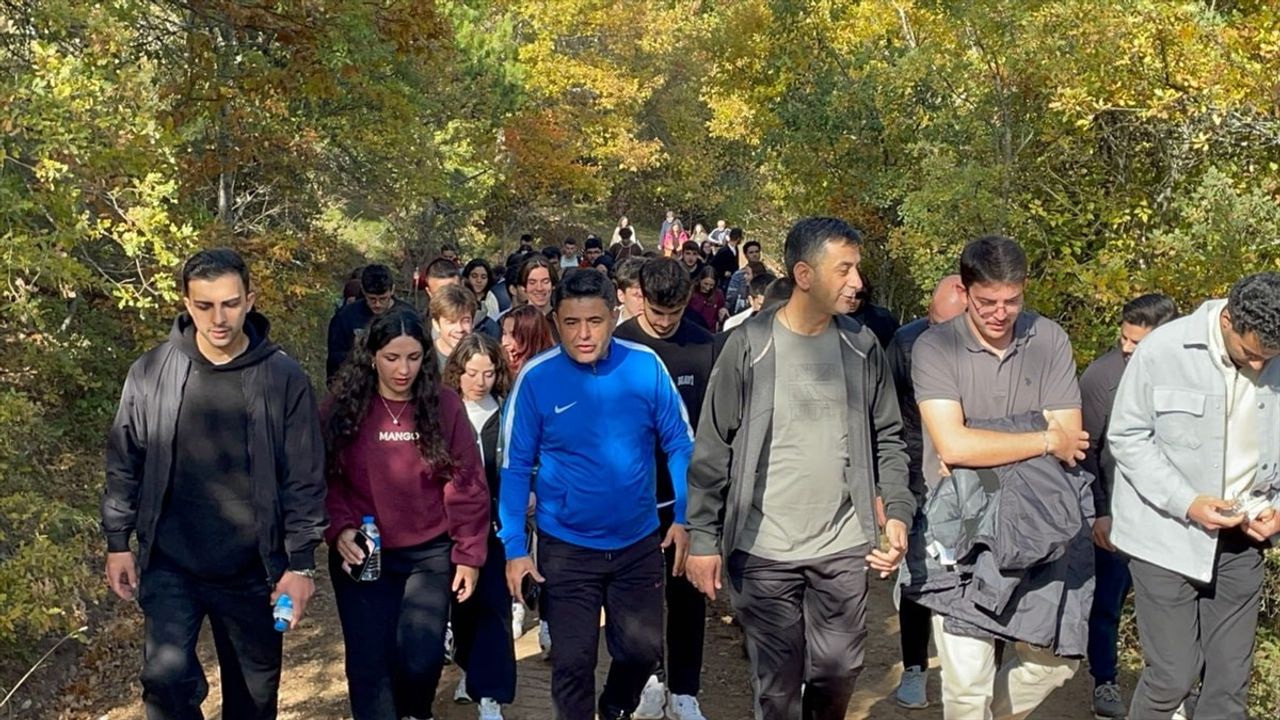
<point>382,473</point>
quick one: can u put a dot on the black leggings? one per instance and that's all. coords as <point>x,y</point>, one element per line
<point>482,632</point>
<point>393,629</point>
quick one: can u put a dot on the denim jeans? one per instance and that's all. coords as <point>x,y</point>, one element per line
<point>1110,589</point>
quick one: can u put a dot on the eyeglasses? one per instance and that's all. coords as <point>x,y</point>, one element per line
<point>987,307</point>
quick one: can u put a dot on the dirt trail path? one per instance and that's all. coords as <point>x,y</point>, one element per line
<point>314,687</point>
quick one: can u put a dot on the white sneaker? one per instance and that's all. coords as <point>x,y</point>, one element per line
<point>910,692</point>
<point>651,700</point>
<point>1187,710</point>
<point>544,639</point>
<point>684,707</point>
<point>517,620</point>
<point>490,709</point>
<point>460,695</point>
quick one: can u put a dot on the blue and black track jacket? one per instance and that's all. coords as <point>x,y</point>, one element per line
<point>591,430</point>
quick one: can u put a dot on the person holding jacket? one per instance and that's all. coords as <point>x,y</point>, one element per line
<point>1195,434</point>
<point>799,428</point>
<point>400,449</point>
<point>482,626</point>
<point>216,463</point>
<point>589,415</point>
<point>996,361</point>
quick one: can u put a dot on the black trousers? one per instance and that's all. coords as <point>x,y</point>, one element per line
<point>627,584</point>
<point>915,623</point>
<point>393,629</point>
<point>174,606</point>
<point>1185,626</point>
<point>805,622</point>
<point>484,646</point>
<point>681,667</point>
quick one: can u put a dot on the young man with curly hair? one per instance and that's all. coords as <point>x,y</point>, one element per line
<point>1195,433</point>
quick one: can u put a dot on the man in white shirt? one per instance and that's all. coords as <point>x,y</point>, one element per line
<point>569,256</point>
<point>1195,433</point>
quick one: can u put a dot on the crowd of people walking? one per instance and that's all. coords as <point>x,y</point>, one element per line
<point>629,430</point>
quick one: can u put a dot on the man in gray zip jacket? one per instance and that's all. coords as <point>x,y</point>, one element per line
<point>799,427</point>
<point>1195,434</point>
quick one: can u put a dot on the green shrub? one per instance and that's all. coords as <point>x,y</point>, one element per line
<point>1264,693</point>
<point>45,580</point>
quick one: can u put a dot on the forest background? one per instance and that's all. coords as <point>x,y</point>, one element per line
<point>1130,146</point>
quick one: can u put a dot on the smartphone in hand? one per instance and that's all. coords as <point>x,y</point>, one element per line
<point>363,542</point>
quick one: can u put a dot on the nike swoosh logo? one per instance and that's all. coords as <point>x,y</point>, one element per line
<point>566,407</point>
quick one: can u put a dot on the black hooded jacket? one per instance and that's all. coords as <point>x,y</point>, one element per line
<point>345,324</point>
<point>281,474</point>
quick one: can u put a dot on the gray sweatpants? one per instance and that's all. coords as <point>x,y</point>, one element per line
<point>805,623</point>
<point>1185,626</point>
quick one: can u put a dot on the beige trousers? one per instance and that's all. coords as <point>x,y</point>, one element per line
<point>974,689</point>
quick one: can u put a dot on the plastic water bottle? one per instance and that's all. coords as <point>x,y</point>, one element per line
<point>372,569</point>
<point>283,613</point>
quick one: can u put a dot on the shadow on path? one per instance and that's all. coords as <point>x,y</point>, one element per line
<point>314,684</point>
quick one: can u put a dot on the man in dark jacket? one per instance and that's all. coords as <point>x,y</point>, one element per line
<point>691,259</point>
<point>215,462</point>
<point>799,428</point>
<point>878,320</point>
<point>914,619</point>
<point>625,247</point>
<point>1097,394</point>
<point>354,317</point>
<point>727,260</point>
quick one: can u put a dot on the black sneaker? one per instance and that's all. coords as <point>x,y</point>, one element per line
<point>614,714</point>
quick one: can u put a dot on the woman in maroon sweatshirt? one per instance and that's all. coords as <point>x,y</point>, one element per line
<point>401,448</point>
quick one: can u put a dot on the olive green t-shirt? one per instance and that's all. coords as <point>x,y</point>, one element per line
<point>801,507</point>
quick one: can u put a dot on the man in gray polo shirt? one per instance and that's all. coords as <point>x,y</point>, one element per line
<point>995,361</point>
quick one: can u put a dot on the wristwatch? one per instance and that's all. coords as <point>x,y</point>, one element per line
<point>309,574</point>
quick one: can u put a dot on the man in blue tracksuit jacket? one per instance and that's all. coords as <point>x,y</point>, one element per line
<point>588,414</point>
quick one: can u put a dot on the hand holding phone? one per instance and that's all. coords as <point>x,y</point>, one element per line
<point>354,546</point>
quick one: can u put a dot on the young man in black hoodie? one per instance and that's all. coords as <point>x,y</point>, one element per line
<point>215,462</point>
<point>689,352</point>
